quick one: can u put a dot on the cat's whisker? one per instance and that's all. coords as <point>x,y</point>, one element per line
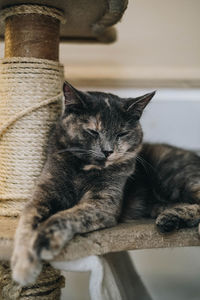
<point>144,160</point>
<point>82,151</point>
<point>94,152</point>
<point>147,166</point>
<point>126,155</point>
<point>140,160</point>
<point>73,150</point>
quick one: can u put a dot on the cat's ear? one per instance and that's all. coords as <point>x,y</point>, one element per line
<point>71,95</point>
<point>136,106</point>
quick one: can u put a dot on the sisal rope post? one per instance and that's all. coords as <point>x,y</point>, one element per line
<point>30,102</point>
<point>30,99</point>
<point>47,287</point>
<point>31,81</point>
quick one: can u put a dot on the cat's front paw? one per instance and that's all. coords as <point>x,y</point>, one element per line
<point>25,266</point>
<point>51,239</point>
<point>167,222</point>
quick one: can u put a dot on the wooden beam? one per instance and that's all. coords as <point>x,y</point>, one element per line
<point>32,35</point>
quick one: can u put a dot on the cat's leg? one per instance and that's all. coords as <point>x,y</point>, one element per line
<point>24,262</point>
<point>176,216</point>
<point>47,199</point>
<point>174,173</point>
<point>95,211</point>
<point>175,183</point>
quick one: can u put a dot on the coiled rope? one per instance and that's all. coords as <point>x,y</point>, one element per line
<point>32,9</point>
<point>30,102</point>
<point>47,286</point>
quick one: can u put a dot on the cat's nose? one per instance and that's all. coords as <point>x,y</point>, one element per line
<point>107,153</point>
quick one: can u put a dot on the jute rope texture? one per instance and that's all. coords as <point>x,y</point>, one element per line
<point>30,102</point>
<point>32,9</point>
<point>47,286</point>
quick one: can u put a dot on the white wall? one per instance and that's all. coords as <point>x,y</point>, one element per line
<point>157,40</point>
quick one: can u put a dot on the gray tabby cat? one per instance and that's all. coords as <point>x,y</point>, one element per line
<point>97,173</point>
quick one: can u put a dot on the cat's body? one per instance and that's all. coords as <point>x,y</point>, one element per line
<point>97,173</point>
<point>166,183</point>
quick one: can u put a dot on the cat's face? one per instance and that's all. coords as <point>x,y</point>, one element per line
<point>101,128</point>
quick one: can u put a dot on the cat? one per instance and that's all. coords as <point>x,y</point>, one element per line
<point>98,172</point>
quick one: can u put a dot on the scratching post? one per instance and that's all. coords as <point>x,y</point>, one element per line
<point>47,287</point>
<point>30,99</point>
<point>30,102</point>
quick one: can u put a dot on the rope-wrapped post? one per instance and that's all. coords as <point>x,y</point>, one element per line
<point>47,286</point>
<point>31,81</point>
<point>30,99</point>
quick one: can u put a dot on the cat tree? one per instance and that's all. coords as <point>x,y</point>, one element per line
<point>30,101</point>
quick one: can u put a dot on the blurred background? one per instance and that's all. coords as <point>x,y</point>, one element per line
<point>158,48</point>
<point>158,44</point>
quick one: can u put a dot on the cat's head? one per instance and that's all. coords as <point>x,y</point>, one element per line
<point>100,128</point>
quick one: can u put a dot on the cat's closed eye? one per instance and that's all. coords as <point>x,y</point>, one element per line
<point>92,132</point>
<point>121,134</point>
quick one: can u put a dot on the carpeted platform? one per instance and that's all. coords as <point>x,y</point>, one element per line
<point>131,236</point>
